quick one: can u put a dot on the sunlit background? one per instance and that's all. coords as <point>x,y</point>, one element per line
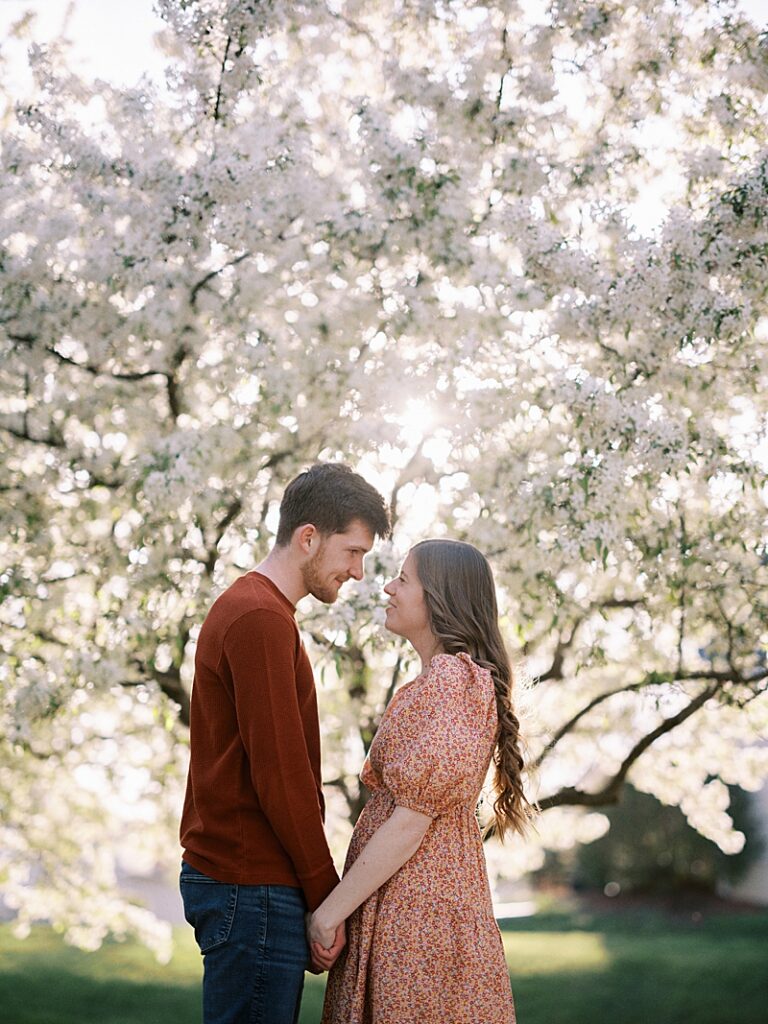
<point>121,41</point>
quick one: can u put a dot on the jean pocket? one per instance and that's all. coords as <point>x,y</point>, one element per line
<point>209,907</point>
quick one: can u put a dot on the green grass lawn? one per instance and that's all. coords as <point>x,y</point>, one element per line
<point>567,967</point>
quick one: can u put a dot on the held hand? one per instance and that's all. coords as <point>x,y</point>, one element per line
<point>324,957</point>
<point>320,930</point>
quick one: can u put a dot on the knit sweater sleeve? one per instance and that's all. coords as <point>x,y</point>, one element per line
<point>261,648</point>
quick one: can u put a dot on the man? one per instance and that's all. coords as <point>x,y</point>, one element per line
<point>255,853</point>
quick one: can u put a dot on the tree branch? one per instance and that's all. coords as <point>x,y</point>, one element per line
<point>101,481</point>
<point>681,601</point>
<point>53,440</point>
<point>652,679</point>
<point>571,797</point>
<point>46,638</point>
<point>357,28</point>
<point>417,466</point>
<point>196,288</point>
<point>568,726</point>
<point>222,70</point>
<point>555,670</point>
<point>97,371</point>
<point>172,384</point>
<point>170,683</point>
<point>23,339</point>
<point>233,511</point>
<point>394,681</point>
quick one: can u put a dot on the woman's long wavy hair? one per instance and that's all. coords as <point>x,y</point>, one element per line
<point>460,596</point>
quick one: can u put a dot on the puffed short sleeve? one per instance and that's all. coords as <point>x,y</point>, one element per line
<point>439,742</point>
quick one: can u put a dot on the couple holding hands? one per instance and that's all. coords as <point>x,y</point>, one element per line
<point>408,934</point>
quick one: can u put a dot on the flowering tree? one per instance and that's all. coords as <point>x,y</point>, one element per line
<point>414,236</point>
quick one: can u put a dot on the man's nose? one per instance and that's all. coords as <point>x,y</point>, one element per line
<point>356,572</point>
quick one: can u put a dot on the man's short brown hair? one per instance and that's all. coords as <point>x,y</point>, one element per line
<point>329,495</point>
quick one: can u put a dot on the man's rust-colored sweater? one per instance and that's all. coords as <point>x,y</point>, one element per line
<point>254,808</point>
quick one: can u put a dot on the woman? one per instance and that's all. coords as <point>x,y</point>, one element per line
<point>422,942</point>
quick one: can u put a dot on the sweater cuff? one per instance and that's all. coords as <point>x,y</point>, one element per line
<point>317,885</point>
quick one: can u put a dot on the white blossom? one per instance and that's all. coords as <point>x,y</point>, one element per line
<point>414,238</point>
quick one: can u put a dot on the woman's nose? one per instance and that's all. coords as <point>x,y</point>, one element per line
<point>388,588</point>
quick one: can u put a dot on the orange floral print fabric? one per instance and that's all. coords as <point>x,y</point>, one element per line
<point>425,947</point>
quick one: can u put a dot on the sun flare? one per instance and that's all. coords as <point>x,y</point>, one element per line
<point>416,420</point>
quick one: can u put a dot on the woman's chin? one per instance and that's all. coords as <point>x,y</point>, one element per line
<point>390,626</point>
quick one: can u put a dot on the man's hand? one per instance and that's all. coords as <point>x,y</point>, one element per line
<point>325,944</point>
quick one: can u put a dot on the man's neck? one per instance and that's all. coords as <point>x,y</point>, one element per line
<point>279,568</point>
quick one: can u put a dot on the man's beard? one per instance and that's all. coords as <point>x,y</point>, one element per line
<point>314,582</point>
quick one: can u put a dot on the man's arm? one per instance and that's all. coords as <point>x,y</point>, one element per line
<point>261,651</point>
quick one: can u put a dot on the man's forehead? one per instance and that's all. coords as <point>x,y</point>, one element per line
<point>357,534</point>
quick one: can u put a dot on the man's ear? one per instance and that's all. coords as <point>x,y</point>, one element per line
<point>306,537</point>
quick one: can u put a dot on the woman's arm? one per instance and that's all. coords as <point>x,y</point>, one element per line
<point>391,845</point>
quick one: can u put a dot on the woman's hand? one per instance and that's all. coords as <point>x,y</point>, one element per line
<point>325,941</point>
<point>320,931</point>
<point>389,848</point>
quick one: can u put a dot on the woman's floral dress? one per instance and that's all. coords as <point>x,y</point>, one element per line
<point>425,947</point>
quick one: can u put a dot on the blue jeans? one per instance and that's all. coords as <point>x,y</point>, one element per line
<point>254,948</point>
